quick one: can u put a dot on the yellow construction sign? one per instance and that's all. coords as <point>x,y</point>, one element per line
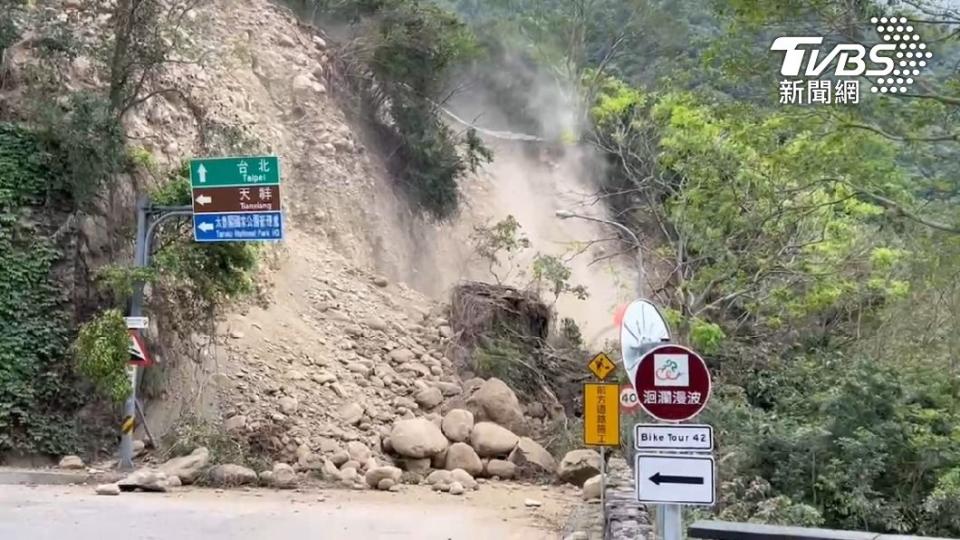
<point>601,414</point>
<point>601,366</point>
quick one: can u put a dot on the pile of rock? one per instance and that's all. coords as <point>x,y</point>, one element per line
<point>459,449</point>
<point>195,468</point>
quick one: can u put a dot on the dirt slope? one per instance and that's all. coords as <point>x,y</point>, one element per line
<point>323,339</point>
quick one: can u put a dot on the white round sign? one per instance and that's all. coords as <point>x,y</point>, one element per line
<point>629,401</point>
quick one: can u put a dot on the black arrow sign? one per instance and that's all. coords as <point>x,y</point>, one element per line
<point>667,479</point>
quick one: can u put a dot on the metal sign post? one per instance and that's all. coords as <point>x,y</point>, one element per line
<point>148,218</point>
<point>601,417</point>
<point>234,199</point>
<point>672,384</point>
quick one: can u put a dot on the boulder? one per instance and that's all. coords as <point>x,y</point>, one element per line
<point>376,323</point>
<point>308,460</point>
<point>288,405</point>
<point>283,476</point>
<point>491,440</point>
<point>349,475</point>
<point>457,424</point>
<point>386,484</point>
<point>578,466</point>
<point>417,438</point>
<point>455,488</point>
<point>351,413</point>
<point>464,478</point>
<point>429,398</point>
<point>187,468</point>
<point>358,451</point>
<point>421,466</point>
<point>501,468</point>
<point>409,477</point>
<point>231,475</point>
<point>591,488</point>
<point>448,388</point>
<point>440,480</point>
<point>496,402</point>
<point>401,356</point>
<point>463,456</point>
<point>374,476</point>
<point>439,461</point>
<point>328,470</point>
<point>144,479</point>
<point>305,87</point>
<point>532,459</point>
<point>107,489</point>
<point>340,457</point>
<point>235,424</point>
<point>328,445</point>
<point>71,462</point>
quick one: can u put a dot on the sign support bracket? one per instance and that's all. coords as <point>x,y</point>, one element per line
<point>149,217</point>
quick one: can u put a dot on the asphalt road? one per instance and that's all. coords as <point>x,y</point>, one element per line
<point>59,512</point>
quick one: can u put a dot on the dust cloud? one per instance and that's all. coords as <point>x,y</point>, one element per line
<point>531,181</point>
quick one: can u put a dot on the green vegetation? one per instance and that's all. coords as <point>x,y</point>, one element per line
<point>35,384</point>
<point>63,163</point>
<point>811,250</point>
<point>400,61</point>
<point>102,354</point>
<point>211,274</point>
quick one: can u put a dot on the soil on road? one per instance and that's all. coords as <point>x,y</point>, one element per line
<point>75,512</point>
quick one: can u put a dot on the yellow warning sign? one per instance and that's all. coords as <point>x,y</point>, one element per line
<point>601,414</point>
<point>127,425</point>
<point>601,366</point>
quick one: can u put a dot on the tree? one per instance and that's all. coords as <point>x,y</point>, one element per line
<point>147,36</point>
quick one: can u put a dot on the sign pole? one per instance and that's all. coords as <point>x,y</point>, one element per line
<point>672,522</point>
<point>601,418</point>
<point>136,310</point>
<point>603,485</point>
<point>141,259</point>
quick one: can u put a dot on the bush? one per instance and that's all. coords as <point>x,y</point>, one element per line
<point>209,273</point>
<point>102,354</point>
<point>863,444</point>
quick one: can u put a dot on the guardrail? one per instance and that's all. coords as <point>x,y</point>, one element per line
<point>727,530</point>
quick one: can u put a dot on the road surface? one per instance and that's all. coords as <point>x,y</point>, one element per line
<point>75,512</point>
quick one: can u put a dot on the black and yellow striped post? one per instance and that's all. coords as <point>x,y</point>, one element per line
<point>126,427</point>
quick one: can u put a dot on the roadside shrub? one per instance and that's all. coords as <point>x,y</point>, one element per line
<point>101,349</point>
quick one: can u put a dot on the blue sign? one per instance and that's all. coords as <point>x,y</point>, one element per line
<point>243,226</point>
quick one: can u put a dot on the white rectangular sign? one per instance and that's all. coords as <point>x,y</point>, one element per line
<point>673,437</point>
<point>137,322</point>
<point>667,479</point>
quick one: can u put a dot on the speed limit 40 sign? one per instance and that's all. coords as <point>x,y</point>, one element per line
<point>629,401</point>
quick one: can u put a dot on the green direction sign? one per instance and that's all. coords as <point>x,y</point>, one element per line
<point>235,171</point>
